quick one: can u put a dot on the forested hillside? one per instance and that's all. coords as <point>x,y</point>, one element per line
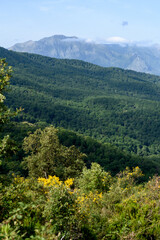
<point>110,104</point>
<point>51,185</point>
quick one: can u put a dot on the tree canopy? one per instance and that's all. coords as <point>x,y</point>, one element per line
<point>48,157</point>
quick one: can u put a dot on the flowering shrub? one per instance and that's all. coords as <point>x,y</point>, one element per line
<point>94,179</point>
<point>49,208</point>
<point>55,181</point>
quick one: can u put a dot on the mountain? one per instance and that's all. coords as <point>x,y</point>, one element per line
<point>141,59</point>
<point>110,104</point>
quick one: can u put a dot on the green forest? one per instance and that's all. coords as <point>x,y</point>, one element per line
<point>79,150</point>
<point>109,104</point>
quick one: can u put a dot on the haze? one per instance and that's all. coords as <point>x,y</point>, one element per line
<point>107,21</point>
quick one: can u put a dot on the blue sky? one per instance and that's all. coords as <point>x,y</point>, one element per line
<point>99,20</point>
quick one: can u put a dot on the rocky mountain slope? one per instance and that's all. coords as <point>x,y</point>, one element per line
<point>141,59</point>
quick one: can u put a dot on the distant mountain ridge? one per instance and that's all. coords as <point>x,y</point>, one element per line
<point>140,59</point>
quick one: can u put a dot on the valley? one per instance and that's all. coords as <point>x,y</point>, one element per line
<point>113,105</point>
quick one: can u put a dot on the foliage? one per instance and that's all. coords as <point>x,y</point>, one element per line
<point>94,179</point>
<point>62,199</point>
<point>110,104</point>
<point>110,157</point>
<point>49,157</point>
<point>7,146</point>
<point>52,209</point>
<point>5,75</point>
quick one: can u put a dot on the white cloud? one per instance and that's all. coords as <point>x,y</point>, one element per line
<point>117,40</point>
<point>81,9</point>
<point>89,40</point>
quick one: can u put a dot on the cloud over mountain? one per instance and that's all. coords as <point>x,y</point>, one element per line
<point>112,52</point>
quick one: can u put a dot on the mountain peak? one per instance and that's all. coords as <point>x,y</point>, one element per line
<point>58,37</point>
<point>106,55</point>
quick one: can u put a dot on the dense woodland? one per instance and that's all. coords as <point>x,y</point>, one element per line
<point>81,159</point>
<point>109,104</point>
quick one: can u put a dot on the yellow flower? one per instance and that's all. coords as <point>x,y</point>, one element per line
<point>50,181</point>
<point>69,182</point>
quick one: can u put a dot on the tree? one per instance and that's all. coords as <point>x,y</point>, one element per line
<point>48,157</point>
<point>7,146</point>
<point>5,75</point>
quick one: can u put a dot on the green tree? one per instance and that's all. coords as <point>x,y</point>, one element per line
<point>48,157</point>
<point>7,146</point>
<point>94,179</point>
<point>5,75</point>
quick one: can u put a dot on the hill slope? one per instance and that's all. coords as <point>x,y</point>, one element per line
<point>141,59</point>
<point>110,104</point>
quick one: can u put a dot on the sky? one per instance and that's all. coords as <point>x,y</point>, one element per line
<point>103,21</point>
